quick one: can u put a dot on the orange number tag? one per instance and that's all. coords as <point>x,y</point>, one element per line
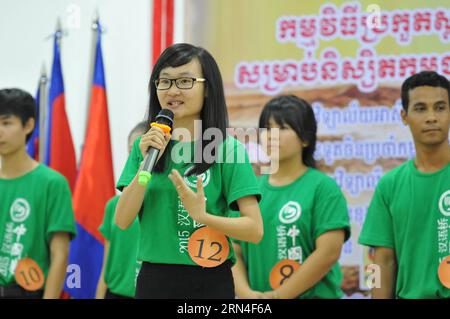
<point>444,272</point>
<point>29,275</point>
<point>208,248</point>
<point>282,271</point>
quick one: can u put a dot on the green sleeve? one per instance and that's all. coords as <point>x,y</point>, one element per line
<point>377,230</point>
<point>330,210</point>
<point>238,177</point>
<point>105,227</point>
<point>60,216</point>
<point>131,166</point>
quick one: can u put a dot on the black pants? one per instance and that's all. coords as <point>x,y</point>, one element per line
<point>17,292</point>
<point>110,295</point>
<point>167,281</point>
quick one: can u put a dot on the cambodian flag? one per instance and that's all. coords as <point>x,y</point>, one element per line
<point>60,152</point>
<point>94,187</point>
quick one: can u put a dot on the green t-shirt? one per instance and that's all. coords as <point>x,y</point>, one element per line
<point>165,225</point>
<point>294,216</point>
<point>32,207</point>
<point>410,213</point>
<point>122,266</point>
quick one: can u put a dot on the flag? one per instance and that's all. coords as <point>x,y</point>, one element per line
<point>162,34</point>
<point>94,186</point>
<point>60,152</point>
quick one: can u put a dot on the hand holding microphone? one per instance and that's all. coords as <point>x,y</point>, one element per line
<point>154,142</point>
<point>155,138</point>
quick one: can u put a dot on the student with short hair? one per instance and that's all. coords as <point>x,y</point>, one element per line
<point>408,218</point>
<point>36,215</point>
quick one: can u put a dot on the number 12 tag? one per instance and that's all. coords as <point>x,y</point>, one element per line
<point>208,248</point>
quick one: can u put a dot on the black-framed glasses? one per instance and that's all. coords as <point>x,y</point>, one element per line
<point>184,83</point>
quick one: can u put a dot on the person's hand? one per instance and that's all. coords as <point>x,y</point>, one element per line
<point>156,138</point>
<point>350,279</point>
<point>193,202</point>
<point>271,295</point>
<point>252,294</point>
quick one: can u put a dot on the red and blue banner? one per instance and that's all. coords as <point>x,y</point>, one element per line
<point>94,187</point>
<point>60,152</point>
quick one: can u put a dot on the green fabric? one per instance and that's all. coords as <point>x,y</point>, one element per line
<point>122,266</point>
<point>294,216</point>
<point>410,213</point>
<point>32,208</point>
<point>165,225</point>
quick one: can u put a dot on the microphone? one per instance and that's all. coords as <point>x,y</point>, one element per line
<point>164,120</point>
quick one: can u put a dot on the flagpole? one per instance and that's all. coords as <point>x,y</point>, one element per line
<point>43,82</point>
<point>59,33</point>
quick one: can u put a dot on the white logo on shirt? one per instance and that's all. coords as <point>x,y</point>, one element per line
<point>444,203</point>
<point>192,180</point>
<point>290,212</point>
<point>20,210</point>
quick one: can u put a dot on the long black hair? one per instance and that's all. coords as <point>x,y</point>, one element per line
<point>214,112</point>
<point>299,115</point>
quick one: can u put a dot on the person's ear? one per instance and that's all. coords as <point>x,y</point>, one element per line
<point>404,116</point>
<point>29,125</point>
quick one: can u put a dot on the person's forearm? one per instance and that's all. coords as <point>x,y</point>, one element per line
<point>315,267</point>
<point>387,280</point>
<point>130,202</point>
<point>55,277</point>
<point>101,288</point>
<point>240,276</point>
<point>240,228</point>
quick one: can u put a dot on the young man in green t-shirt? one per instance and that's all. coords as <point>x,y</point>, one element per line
<point>36,216</point>
<point>409,216</point>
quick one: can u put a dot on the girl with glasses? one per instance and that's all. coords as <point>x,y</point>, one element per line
<point>184,245</point>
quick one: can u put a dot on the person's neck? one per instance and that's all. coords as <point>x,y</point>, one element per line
<point>16,164</point>
<point>430,159</point>
<point>288,171</point>
<point>189,125</point>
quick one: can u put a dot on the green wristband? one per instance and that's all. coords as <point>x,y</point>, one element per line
<point>144,178</point>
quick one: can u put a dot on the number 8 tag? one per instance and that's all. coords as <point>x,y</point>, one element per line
<point>208,248</point>
<point>444,272</point>
<point>282,271</point>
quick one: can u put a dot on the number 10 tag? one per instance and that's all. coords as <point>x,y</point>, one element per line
<point>29,275</point>
<point>208,248</point>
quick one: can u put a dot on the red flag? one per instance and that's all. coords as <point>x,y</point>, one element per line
<point>60,152</point>
<point>94,187</point>
<point>163,11</point>
<point>95,183</point>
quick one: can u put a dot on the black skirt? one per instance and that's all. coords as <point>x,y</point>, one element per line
<point>169,281</point>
